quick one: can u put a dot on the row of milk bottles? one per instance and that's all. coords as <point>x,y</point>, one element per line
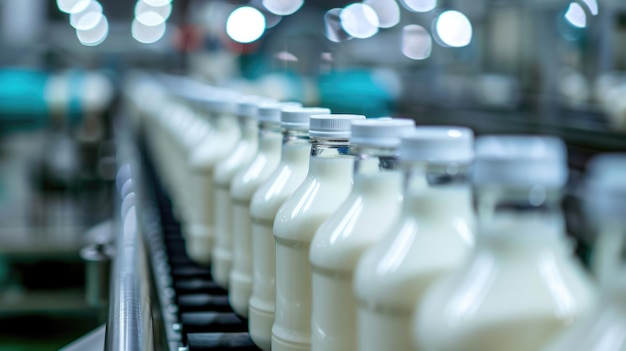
<point>333,232</point>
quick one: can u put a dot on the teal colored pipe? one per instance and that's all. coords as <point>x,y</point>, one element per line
<point>23,102</point>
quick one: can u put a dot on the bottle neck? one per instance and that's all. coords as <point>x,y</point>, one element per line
<point>331,159</point>
<point>296,147</point>
<point>376,172</point>
<point>374,160</point>
<point>330,148</point>
<point>224,123</point>
<point>270,138</point>
<point>527,213</point>
<point>248,127</point>
<point>437,192</point>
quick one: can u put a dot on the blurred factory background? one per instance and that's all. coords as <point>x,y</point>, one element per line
<point>498,66</point>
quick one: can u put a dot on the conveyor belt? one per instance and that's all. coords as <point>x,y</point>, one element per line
<point>194,309</point>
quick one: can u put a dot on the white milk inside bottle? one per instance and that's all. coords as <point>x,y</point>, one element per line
<point>195,134</point>
<point>327,185</point>
<point>239,158</point>
<point>200,235</point>
<point>605,205</point>
<point>367,213</point>
<point>243,186</point>
<point>431,237</point>
<point>521,285</point>
<point>291,171</point>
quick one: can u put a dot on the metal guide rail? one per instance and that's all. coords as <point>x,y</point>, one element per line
<point>130,324</point>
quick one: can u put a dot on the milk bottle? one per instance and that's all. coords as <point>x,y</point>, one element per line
<point>243,186</point>
<point>607,173</point>
<point>202,161</point>
<point>195,132</point>
<point>605,200</point>
<point>224,172</point>
<point>326,186</point>
<point>432,235</point>
<point>372,206</point>
<point>521,285</point>
<point>289,174</point>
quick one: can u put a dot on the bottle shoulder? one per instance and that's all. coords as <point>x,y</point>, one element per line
<point>311,203</point>
<point>250,178</point>
<point>407,260</point>
<point>549,292</point>
<point>238,158</point>
<point>273,192</point>
<point>355,226</point>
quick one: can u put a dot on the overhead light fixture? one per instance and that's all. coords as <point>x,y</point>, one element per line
<point>95,35</point>
<point>453,28</point>
<point>576,16</point>
<point>88,17</point>
<point>388,12</point>
<point>419,5</point>
<point>359,20</point>
<point>245,24</point>
<point>283,7</point>
<point>417,43</point>
<point>146,34</point>
<point>151,15</point>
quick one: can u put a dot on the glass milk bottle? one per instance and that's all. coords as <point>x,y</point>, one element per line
<point>521,285</point>
<point>326,186</point>
<point>199,232</point>
<point>239,158</point>
<point>372,206</point>
<point>605,200</point>
<point>291,171</point>
<point>431,237</point>
<point>243,186</point>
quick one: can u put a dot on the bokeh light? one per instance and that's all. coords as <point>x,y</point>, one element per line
<point>417,43</point>
<point>283,7</point>
<point>388,12</point>
<point>245,24</point>
<point>454,29</point>
<point>359,20</point>
<point>419,5</point>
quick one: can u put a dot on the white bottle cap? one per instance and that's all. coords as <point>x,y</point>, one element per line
<point>605,188</point>
<point>248,106</point>
<point>438,144</point>
<point>299,118</point>
<point>224,102</point>
<point>380,132</point>
<point>520,160</point>
<point>270,111</point>
<point>332,126</point>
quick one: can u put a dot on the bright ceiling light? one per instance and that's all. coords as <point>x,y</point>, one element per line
<point>95,35</point>
<point>88,17</point>
<point>147,34</point>
<point>157,3</point>
<point>592,5</point>
<point>359,20</point>
<point>576,15</point>
<point>419,5</point>
<point>245,24</point>
<point>454,29</point>
<point>283,7</point>
<point>70,6</point>
<point>152,15</point>
<point>416,42</point>
<point>388,12</point>
<point>332,25</point>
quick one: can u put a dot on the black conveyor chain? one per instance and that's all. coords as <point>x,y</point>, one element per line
<point>207,321</point>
